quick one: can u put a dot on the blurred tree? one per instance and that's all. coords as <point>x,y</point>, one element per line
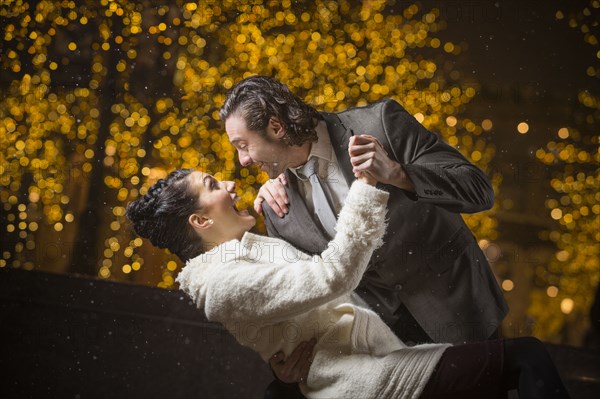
<point>101,99</point>
<point>569,283</point>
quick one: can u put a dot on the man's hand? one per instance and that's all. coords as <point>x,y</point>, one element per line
<point>368,156</point>
<point>273,191</point>
<point>295,368</point>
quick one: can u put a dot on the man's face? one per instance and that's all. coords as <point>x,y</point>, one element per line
<point>267,150</point>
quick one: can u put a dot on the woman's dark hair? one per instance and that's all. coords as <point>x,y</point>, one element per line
<point>258,98</point>
<point>162,215</point>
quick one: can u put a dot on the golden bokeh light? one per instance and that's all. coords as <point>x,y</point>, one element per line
<point>97,114</point>
<point>122,127</point>
<point>487,125</point>
<point>572,158</point>
<point>508,285</point>
<point>567,305</point>
<point>523,127</point>
<point>563,133</point>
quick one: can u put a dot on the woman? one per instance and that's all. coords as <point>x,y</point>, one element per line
<point>272,296</point>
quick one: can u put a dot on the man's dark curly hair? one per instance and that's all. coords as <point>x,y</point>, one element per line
<point>258,98</point>
<point>162,215</point>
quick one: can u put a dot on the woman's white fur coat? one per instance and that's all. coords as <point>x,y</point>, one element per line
<point>271,297</point>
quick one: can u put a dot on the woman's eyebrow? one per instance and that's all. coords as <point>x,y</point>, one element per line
<point>204,183</point>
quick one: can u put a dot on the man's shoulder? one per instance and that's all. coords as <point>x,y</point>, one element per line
<point>364,116</point>
<point>376,109</point>
<point>378,104</point>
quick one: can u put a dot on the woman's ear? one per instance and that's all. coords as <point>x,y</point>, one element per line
<point>276,127</point>
<point>199,222</point>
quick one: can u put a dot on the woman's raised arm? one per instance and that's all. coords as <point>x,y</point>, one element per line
<point>276,290</point>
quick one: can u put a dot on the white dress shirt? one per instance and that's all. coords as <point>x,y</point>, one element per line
<point>332,179</point>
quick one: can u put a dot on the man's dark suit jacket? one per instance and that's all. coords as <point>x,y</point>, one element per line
<point>430,260</point>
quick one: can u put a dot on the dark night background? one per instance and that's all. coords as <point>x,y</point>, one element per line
<point>89,311</point>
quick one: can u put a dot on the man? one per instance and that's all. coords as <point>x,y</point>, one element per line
<point>430,281</point>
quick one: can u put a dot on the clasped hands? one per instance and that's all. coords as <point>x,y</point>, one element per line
<point>295,367</point>
<point>370,162</point>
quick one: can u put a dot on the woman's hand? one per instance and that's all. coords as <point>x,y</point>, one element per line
<point>295,368</point>
<point>273,191</point>
<point>367,178</point>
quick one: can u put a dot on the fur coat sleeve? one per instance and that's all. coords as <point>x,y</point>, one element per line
<point>265,278</point>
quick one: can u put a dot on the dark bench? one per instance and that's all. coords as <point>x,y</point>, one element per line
<point>73,337</point>
<point>78,337</point>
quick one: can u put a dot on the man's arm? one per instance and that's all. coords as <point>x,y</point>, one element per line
<point>422,163</point>
<point>368,155</point>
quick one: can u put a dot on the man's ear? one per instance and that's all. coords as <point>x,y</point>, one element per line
<point>199,222</point>
<point>276,127</point>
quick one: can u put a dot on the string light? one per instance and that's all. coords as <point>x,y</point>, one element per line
<point>523,127</point>
<point>335,55</point>
<point>508,285</point>
<point>573,274</point>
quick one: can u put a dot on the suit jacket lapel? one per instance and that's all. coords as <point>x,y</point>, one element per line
<point>340,137</point>
<point>299,226</point>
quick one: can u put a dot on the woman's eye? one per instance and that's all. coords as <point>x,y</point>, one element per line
<point>242,146</point>
<point>214,184</point>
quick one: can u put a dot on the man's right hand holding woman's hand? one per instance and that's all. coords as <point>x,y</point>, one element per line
<point>295,367</point>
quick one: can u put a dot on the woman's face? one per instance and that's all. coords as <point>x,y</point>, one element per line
<point>218,200</point>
